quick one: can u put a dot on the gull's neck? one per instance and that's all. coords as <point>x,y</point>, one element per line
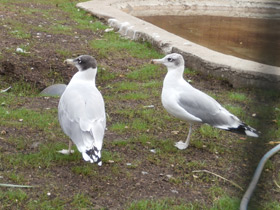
<point>86,75</point>
<point>174,75</point>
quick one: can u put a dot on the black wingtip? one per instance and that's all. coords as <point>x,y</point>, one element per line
<point>245,130</point>
<point>94,154</point>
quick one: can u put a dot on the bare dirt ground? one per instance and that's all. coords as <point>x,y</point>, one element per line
<point>116,184</point>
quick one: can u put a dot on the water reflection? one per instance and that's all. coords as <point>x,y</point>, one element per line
<point>247,38</point>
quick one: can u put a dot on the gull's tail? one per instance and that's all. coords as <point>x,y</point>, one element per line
<point>245,130</point>
<point>93,155</point>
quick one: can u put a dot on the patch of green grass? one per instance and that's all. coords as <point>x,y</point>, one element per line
<point>20,142</point>
<point>119,127</point>
<point>226,203</point>
<point>120,143</point>
<point>216,148</point>
<point>188,71</point>
<point>134,96</point>
<point>236,110</point>
<point>269,165</point>
<point>165,146</point>
<point>44,202</point>
<point>195,165</point>
<point>216,192</point>
<point>145,138</point>
<point>44,158</point>
<point>61,29</point>
<point>136,125</point>
<point>277,116</point>
<point>81,201</point>
<point>27,117</point>
<point>107,156</point>
<point>163,204</point>
<point>22,88</point>
<point>112,42</point>
<point>273,205</point>
<point>11,197</point>
<point>85,170</point>
<point>197,143</point>
<point>19,32</point>
<point>16,178</point>
<point>152,84</point>
<point>237,96</point>
<point>208,131</point>
<point>125,86</point>
<point>105,75</point>
<point>83,19</point>
<point>139,125</point>
<point>144,73</point>
<point>64,52</point>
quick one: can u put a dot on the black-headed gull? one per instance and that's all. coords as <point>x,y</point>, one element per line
<point>81,110</point>
<point>185,102</point>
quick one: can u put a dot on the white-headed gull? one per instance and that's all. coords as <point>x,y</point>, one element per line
<point>81,110</point>
<point>185,102</point>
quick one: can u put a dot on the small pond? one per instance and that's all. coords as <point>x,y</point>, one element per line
<point>248,38</point>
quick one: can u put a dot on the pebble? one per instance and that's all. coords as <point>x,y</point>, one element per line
<point>153,150</point>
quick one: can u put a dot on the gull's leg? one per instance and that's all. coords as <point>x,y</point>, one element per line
<point>65,151</point>
<point>183,145</point>
<point>69,147</point>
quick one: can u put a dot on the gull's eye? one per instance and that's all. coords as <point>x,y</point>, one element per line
<point>79,60</point>
<point>170,59</point>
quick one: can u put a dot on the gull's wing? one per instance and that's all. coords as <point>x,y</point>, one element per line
<point>207,109</point>
<point>81,114</point>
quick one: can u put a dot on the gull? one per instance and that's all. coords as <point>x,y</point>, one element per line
<point>81,110</point>
<point>187,103</point>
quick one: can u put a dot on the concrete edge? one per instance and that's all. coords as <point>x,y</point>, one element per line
<point>239,72</point>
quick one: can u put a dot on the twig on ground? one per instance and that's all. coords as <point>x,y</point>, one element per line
<point>209,172</point>
<point>14,185</point>
<point>276,183</point>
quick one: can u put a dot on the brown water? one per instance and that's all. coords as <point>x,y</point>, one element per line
<point>247,38</point>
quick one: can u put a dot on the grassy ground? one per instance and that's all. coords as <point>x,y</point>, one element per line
<point>142,169</point>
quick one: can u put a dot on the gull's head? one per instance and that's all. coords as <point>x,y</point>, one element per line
<point>171,61</point>
<point>83,62</point>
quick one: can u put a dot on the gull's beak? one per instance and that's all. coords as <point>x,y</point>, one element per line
<point>69,61</point>
<point>156,61</point>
